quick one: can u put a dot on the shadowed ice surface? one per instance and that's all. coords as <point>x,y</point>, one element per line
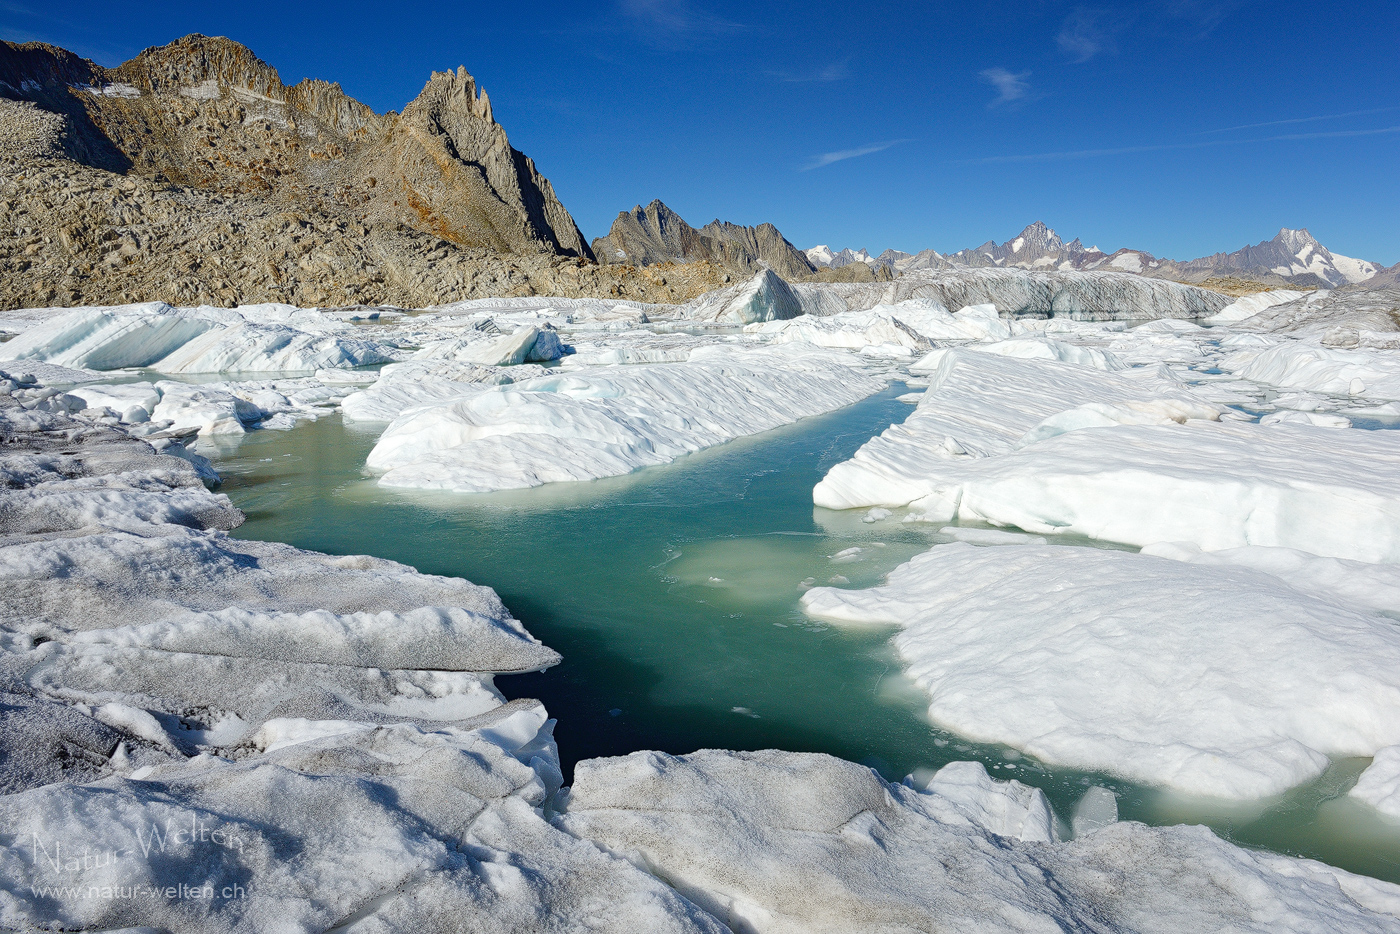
<point>672,595</point>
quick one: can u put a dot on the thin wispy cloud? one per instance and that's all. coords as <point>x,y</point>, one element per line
<point>827,158</point>
<point>1010,87</point>
<point>1255,126</point>
<point>1087,32</point>
<point>836,71</point>
<point>1203,144</point>
<point>1204,14</point>
<point>675,17</point>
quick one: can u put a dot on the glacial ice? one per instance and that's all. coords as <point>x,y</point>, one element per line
<point>590,424</point>
<point>1030,348</point>
<point>977,404</point>
<point>1019,443</point>
<point>337,716</point>
<point>1343,315</point>
<point>764,297</point>
<point>390,828</point>
<point>780,842</point>
<point>250,339</point>
<point>1379,785</point>
<point>1250,305</point>
<point>1094,659</point>
<point>1093,295</point>
<point>1313,368</point>
<point>871,332</point>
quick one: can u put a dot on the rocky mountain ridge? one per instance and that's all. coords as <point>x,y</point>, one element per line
<point>655,234</point>
<point>193,174</point>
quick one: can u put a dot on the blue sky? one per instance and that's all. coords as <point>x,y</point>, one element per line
<point>1181,127</point>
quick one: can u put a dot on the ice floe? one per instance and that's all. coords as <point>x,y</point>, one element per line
<point>1124,458</point>
<point>1212,680</point>
<point>589,424</point>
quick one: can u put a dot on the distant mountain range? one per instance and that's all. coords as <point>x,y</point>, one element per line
<point>1292,258</point>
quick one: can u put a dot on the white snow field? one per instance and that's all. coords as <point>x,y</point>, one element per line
<point>590,424</point>
<point>1211,680</point>
<point>203,733</point>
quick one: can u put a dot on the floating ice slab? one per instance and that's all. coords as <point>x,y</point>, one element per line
<point>1213,680</point>
<point>421,382</point>
<point>1368,588</point>
<point>610,421</point>
<point>1015,444</point>
<point>784,842</point>
<point>1218,485</point>
<point>976,405</point>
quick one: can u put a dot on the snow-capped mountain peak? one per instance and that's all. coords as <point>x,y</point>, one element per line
<point>821,256</point>
<point>1293,256</point>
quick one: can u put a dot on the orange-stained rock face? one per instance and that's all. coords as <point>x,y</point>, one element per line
<point>193,174</point>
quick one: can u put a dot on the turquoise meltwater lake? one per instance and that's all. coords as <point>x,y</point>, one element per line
<point>672,595</point>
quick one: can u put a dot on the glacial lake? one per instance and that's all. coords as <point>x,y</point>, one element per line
<point>672,595</point>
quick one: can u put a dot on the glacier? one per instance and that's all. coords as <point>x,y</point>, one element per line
<point>1089,295</point>
<point>338,716</point>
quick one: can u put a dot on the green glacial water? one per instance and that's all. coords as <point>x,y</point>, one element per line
<point>672,596</point>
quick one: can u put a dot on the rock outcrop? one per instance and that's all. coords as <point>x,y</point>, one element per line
<point>1385,278</point>
<point>193,174</point>
<point>657,234</point>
